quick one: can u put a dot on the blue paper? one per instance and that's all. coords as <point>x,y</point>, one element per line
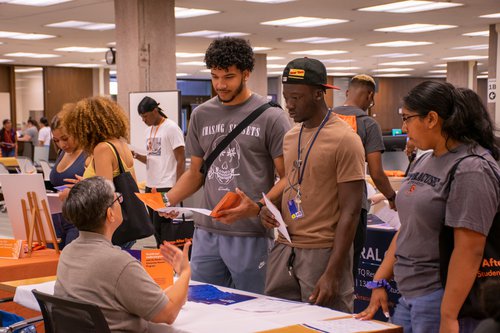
<point>209,294</point>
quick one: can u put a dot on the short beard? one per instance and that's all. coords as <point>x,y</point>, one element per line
<point>238,91</point>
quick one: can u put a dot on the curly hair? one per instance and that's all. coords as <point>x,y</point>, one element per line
<point>228,51</point>
<point>56,121</point>
<point>95,120</point>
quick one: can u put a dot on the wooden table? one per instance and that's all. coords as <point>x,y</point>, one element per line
<point>10,286</point>
<point>41,263</point>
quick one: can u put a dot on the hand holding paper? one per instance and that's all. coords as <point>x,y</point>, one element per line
<point>277,216</point>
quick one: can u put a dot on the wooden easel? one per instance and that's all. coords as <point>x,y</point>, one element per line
<point>34,222</point>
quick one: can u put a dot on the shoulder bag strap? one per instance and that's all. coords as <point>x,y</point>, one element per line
<point>120,165</point>
<point>233,134</point>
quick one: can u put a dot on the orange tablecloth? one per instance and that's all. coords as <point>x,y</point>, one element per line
<point>41,263</point>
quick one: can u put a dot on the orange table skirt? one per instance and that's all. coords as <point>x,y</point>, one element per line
<point>41,263</point>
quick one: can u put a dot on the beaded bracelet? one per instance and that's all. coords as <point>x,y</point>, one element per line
<point>378,284</point>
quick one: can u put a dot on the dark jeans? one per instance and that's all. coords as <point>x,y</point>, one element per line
<point>159,223</point>
<point>359,241</point>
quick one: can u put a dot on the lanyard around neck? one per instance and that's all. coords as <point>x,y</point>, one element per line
<point>299,161</point>
<point>156,130</point>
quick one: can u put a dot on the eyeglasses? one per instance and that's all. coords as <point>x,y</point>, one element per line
<point>405,118</point>
<point>119,198</point>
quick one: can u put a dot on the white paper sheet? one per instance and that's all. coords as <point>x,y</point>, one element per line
<point>259,305</point>
<point>183,210</point>
<point>277,215</point>
<point>25,297</point>
<point>346,325</point>
<point>389,216</point>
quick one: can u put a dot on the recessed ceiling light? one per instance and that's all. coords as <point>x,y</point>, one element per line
<point>435,76</point>
<point>28,69</point>
<point>393,69</point>
<point>181,12</point>
<point>5,60</point>
<point>275,73</point>
<point>304,22</point>
<point>275,66</point>
<point>22,35</point>
<point>269,1</point>
<point>212,34</point>
<point>261,48</point>
<point>205,70</point>
<point>181,74</point>
<point>416,28</point>
<point>496,15</point>
<point>438,71</point>
<point>75,64</point>
<point>112,72</point>
<point>38,3</point>
<point>192,63</point>
<point>392,75</point>
<point>340,68</point>
<point>484,73</point>
<point>399,43</point>
<point>82,49</point>
<point>188,55</point>
<point>440,65</point>
<point>471,47</point>
<point>111,44</point>
<point>484,33</point>
<point>319,52</point>
<point>466,57</point>
<point>338,61</point>
<point>341,74</point>
<point>482,76</point>
<point>274,58</point>
<point>402,63</point>
<point>31,55</point>
<point>317,40</point>
<point>410,6</point>
<point>84,25</point>
<point>398,55</point>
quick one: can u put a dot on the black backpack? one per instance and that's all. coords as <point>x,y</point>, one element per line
<point>490,263</point>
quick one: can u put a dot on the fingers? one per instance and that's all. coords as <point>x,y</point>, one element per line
<point>385,308</point>
<point>367,314</point>
<point>185,250</point>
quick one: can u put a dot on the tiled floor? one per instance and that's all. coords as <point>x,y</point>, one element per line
<point>6,232</point>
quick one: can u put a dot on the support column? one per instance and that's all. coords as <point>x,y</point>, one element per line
<point>100,81</point>
<point>493,70</point>
<point>462,74</point>
<point>145,47</point>
<point>258,79</point>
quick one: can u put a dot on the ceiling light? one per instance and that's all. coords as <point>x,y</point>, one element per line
<point>392,75</point>
<point>38,3</point>
<point>338,61</point>
<point>112,72</point>
<point>111,44</point>
<point>440,65</point>
<point>22,35</point>
<point>5,60</point>
<point>496,15</point>
<point>84,25</point>
<point>212,34</point>
<point>31,55</point>
<point>399,43</point>
<point>275,66</point>
<point>181,74</point>
<point>341,74</point>
<point>484,33</point>
<point>398,55</point>
<point>206,70</point>
<point>269,1</point>
<point>28,69</point>
<point>435,76</point>
<point>317,40</point>
<point>319,52</point>
<point>275,73</point>
<point>438,71</point>
<point>482,76</point>
<point>304,22</point>
<point>410,6</point>
<point>339,68</point>
<point>181,12</point>
<point>472,47</point>
<point>393,69</point>
<point>416,28</point>
<point>402,63</point>
<point>192,63</point>
<point>82,49</point>
<point>466,57</point>
<point>78,65</point>
<point>188,55</point>
<point>484,73</point>
<point>274,58</point>
<point>261,48</point>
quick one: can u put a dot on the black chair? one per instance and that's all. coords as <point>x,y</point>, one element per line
<point>63,315</point>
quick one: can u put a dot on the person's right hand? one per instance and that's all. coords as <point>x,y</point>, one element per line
<point>267,218</point>
<point>175,257</point>
<point>70,182</point>
<point>378,299</point>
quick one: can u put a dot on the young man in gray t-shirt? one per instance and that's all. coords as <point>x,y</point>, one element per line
<point>232,249</point>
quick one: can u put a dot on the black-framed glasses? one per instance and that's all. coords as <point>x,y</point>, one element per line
<point>119,198</point>
<point>405,118</point>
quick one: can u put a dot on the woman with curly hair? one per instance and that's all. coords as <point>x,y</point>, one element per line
<point>98,124</point>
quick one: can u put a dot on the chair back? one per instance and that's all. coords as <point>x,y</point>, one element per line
<point>63,315</point>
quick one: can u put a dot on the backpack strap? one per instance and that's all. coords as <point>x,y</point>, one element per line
<point>120,164</point>
<point>233,134</point>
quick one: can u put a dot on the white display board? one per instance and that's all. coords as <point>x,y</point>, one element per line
<point>15,187</point>
<point>170,103</point>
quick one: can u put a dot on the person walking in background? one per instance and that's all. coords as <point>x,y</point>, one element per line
<point>8,139</point>
<point>44,135</point>
<point>455,124</point>
<point>70,163</point>
<point>165,158</point>
<point>31,132</point>
<point>360,96</point>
